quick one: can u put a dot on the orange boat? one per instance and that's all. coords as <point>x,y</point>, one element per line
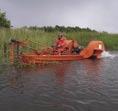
<point>93,50</point>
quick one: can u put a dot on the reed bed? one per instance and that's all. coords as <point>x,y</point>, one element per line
<point>39,39</point>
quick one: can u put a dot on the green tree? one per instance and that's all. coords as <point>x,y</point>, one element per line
<point>4,22</point>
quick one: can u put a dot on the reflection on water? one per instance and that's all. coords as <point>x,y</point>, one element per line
<point>87,85</point>
<point>60,71</point>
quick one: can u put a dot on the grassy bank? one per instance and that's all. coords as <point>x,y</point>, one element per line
<point>47,38</point>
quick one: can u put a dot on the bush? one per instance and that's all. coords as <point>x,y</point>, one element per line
<point>4,22</point>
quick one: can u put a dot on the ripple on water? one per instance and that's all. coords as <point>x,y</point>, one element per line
<point>72,86</point>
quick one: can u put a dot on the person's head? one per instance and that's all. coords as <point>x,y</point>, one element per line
<point>60,37</point>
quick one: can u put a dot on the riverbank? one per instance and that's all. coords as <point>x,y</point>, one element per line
<point>47,38</point>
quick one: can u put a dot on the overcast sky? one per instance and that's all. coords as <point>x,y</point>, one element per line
<point>101,15</point>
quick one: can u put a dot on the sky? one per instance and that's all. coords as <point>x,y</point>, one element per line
<point>100,15</point>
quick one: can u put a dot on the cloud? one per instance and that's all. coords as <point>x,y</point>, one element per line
<point>100,15</point>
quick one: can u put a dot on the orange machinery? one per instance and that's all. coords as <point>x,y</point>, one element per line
<point>94,49</point>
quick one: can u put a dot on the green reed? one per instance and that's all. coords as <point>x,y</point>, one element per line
<point>39,39</point>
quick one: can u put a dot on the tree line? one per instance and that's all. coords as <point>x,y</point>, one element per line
<point>59,28</point>
<point>5,23</point>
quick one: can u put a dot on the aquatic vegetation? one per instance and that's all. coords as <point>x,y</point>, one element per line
<point>38,39</point>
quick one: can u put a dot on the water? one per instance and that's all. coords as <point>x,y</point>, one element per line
<point>86,85</point>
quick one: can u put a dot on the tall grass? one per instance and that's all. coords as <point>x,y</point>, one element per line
<point>43,39</point>
<point>110,40</point>
<point>39,39</point>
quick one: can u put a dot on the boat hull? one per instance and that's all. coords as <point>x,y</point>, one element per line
<point>35,59</point>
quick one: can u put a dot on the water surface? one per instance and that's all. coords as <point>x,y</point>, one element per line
<point>86,85</point>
